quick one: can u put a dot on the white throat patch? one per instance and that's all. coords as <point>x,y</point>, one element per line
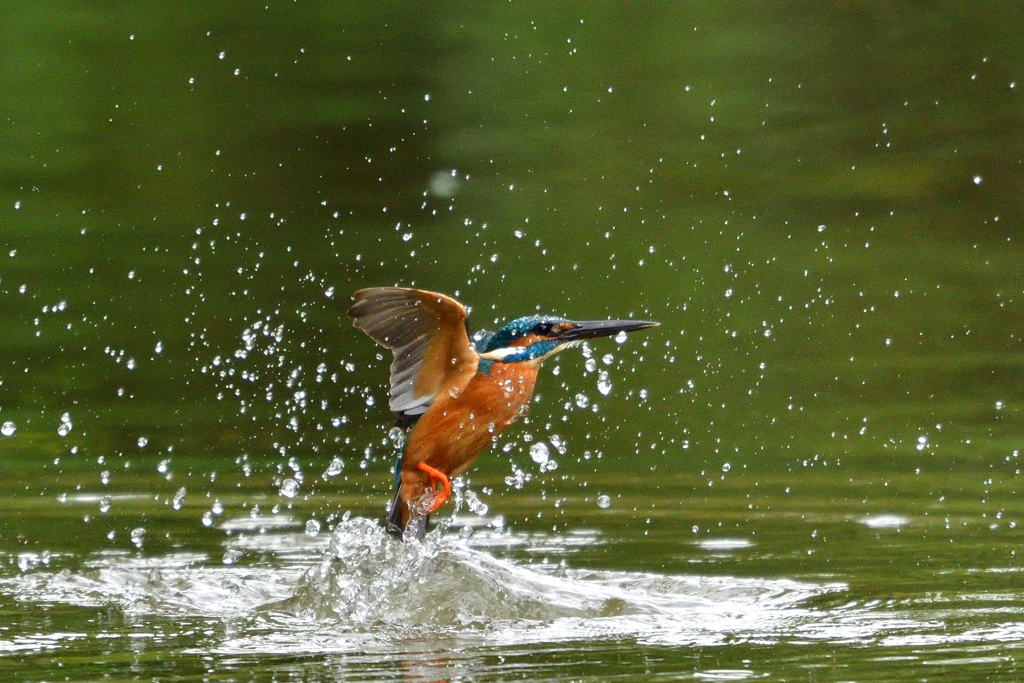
<point>501,354</point>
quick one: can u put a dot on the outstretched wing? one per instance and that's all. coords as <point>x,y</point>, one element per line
<point>427,333</point>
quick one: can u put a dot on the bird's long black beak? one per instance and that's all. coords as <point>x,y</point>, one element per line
<point>588,329</point>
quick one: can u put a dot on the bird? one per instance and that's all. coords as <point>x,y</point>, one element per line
<point>453,396</point>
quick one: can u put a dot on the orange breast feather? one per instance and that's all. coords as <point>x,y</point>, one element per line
<point>464,419</point>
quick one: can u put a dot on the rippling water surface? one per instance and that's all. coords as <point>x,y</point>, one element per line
<point>478,600</point>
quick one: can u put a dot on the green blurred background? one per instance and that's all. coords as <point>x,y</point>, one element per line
<point>820,203</point>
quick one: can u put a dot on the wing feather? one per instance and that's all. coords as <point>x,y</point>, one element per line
<point>426,331</point>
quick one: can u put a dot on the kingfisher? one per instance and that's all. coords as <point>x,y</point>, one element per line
<point>453,396</point>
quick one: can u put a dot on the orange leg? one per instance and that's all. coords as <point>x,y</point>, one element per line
<point>437,476</point>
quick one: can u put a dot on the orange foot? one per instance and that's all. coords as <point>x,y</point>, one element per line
<point>437,477</point>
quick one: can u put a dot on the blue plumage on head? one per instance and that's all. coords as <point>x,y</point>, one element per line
<point>518,328</point>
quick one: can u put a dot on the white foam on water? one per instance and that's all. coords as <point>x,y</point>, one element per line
<point>359,590</point>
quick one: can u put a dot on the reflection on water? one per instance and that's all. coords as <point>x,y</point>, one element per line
<point>884,521</point>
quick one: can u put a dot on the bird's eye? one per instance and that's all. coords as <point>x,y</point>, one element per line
<point>542,329</point>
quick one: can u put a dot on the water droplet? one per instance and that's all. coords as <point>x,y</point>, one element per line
<point>476,506</point>
<point>454,392</point>
<point>582,401</point>
<point>142,441</point>
<point>163,466</point>
<point>207,518</point>
<point>130,364</point>
<point>159,348</point>
<point>8,428</point>
<point>518,478</point>
<point>335,468</point>
<point>64,429</point>
<point>620,338</point>
<point>539,452</point>
<point>604,502</point>
<point>289,488</point>
<point>105,477</point>
<point>312,528</point>
<point>999,405</point>
<point>590,365</point>
<point>138,536</point>
<point>231,556</point>
<point>105,503</point>
<point>978,180</point>
<point>726,467</point>
<point>604,385</point>
<point>218,507</point>
<point>607,359</point>
<point>329,292</point>
<point>397,436</point>
<point>179,499</point>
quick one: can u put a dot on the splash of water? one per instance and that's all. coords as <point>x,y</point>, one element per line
<point>359,590</point>
<point>365,578</point>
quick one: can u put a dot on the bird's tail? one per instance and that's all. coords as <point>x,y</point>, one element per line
<point>395,526</point>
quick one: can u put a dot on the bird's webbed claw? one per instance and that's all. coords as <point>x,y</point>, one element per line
<point>437,477</point>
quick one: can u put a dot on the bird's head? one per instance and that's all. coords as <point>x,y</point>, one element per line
<point>535,337</point>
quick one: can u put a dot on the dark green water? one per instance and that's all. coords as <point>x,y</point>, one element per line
<point>812,466</point>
